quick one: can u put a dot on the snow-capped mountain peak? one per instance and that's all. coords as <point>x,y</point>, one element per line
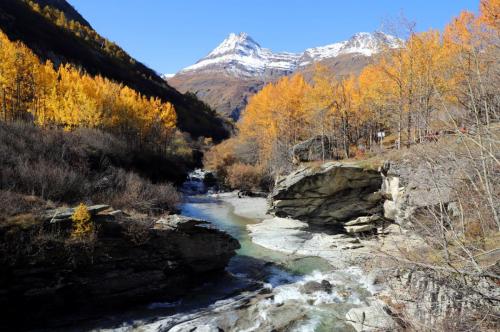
<point>239,55</point>
<point>369,43</point>
<point>240,43</point>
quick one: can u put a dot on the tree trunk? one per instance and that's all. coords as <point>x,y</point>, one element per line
<point>4,105</point>
<point>408,139</point>
<point>323,140</point>
<point>345,125</point>
<point>398,146</point>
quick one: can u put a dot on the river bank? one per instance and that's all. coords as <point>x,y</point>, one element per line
<point>291,275</point>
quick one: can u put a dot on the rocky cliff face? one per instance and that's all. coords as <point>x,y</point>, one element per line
<point>128,262</point>
<point>358,201</point>
<point>412,187</point>
<point>331,194</point>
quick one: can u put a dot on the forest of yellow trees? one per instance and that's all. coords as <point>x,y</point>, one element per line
<point>68,97</point>
<point>434,82</point>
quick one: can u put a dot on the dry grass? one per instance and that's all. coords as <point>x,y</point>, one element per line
<point>135,193</point>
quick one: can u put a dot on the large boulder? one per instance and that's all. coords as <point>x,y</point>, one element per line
<point>331,194</point>
<point>314,286</point>
<point>315,148</point>
<point>371,318</point>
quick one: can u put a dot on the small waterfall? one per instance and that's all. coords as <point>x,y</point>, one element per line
<point>195,183</point>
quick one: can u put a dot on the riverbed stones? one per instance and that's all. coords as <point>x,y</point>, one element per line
<point>363,224</point>
<point>315,286</point>
<point>371,318</point>
<point>360,228</point>
<point>330,194</point>
<point>294,237</point>
<point>364,220</point>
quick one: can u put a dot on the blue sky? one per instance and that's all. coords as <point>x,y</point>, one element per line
<point>168,35</point>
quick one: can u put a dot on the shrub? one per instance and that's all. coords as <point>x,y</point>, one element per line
<point>144,196</point>
<point>82,223</point>
<point>138,230</point>
<point>219,158</point>
<point>233,161</point>
<point>245,177</point>
<point>13,204</point>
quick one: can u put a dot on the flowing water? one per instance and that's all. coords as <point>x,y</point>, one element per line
<point>236,299</point>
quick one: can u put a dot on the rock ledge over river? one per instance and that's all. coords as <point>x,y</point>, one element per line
<point>127,262</point>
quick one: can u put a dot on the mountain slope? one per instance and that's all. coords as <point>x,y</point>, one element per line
<point>239,67</point>
<point>68,10</point>
<point>60,45</point>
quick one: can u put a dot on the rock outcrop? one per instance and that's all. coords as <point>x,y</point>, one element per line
<point>371,318</point>
<point>411,187</point>
<point>426,298</point>
<point>316,148</point>
<point>127,261</point>
<point>329,195</point>
<point>363,224</point>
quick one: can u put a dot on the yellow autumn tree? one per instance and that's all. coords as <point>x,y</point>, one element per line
<point>473,52</point>
<point>375,101</point>
<point>82,223</point>
<point>318,104</point>
<point>489,11</point>
<point>275,120</point>
<point>70,98</point>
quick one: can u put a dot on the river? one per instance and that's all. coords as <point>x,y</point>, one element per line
<point>263,289</point>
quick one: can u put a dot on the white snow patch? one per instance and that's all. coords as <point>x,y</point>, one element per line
<point>166,76</point>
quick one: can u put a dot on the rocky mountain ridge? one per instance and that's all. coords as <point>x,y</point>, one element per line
<point>241,56</point>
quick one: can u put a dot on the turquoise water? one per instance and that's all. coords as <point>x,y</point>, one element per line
<point>221,215</point>
<point>286,273</point>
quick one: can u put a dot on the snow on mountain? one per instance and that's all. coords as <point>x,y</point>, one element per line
<point>363,43</point>
<point>239,55</point>
<point>166,76</point>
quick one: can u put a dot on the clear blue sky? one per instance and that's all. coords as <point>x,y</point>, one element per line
<point>168,35</point>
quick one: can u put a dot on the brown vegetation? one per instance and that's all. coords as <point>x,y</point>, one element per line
<point>38,165</point>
